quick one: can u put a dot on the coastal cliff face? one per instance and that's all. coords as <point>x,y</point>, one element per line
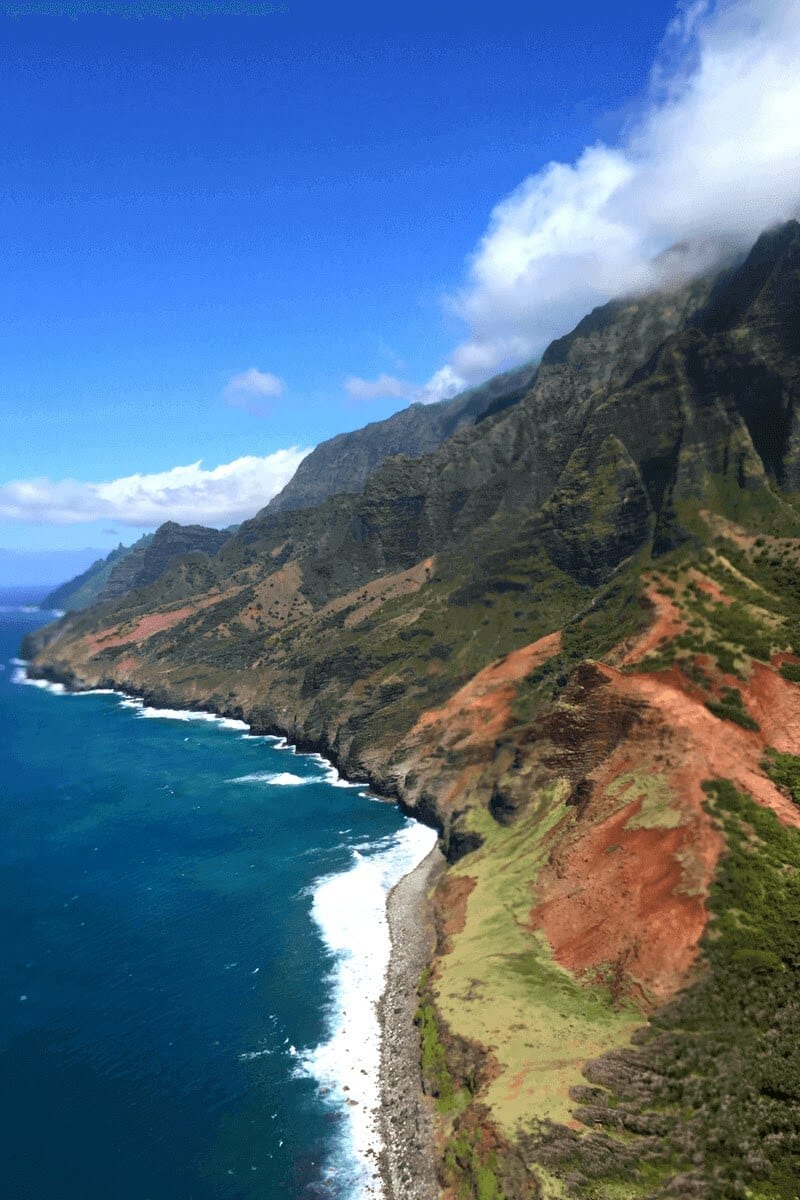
<point>569,639</point>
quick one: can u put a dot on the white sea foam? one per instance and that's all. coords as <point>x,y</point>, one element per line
<point>350,910</point>
<point>133,702</point>
<point>21,676</point>
<point>279,742</point>
<point>287,779</point>
<point>332,776</point>
<point>275,779</point>
<point>95,692</point>
<point>186,714</point>
<point>251,1055</point>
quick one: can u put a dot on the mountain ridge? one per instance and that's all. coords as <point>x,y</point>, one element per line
<point>343,463</point>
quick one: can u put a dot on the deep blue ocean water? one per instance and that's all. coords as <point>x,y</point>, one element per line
<point>191,937</point>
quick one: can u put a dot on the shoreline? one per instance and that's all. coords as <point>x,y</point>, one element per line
<point>408,1157</point>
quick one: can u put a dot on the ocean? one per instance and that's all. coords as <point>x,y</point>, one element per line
<point>193,939</point>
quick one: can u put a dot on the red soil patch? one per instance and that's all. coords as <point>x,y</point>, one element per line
<point>479,711</point>
<point>370,596</point>
<point>142,628</point>
<point>727,529</point>
<point>668,623</point>
<point>452,895</point>
<point>629,904</point>
<point>622,902</point>
<point>710,588</point>
<point>713,748</point>
<point>139,630</point>
<point>783,656</point>
<point>775,704</point>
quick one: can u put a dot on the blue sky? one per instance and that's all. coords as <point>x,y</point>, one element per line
<point>228,238</point>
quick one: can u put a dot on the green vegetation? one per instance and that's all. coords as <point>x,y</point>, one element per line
<point>731,708</point>
<point>475,1177</point>
<point>784,771</point>
<point>436,1077</point>
<point>500,985</point>
<point>657,799</point>
<point>706,1103</point>
<point>791,671</point>
<point>616,612</point>
<point>776,572</point>
<point>735,624</point>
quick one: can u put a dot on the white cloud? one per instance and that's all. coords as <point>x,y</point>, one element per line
<point>444,384</point>
<point>192,494</point>
<point>250,390</point>
<point>713,158</point>
<point>385,386</point>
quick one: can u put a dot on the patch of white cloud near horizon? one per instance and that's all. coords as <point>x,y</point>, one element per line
<point>384,387</point>
<point>712,159</point>
<point>192,494</point>
<point>251,388</point>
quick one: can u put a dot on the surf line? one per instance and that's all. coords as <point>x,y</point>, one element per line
<point>350,911</point>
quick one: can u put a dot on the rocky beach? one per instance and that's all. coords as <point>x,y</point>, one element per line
<point>408,1156</point>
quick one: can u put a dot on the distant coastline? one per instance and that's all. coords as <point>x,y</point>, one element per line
<point>23,595</point>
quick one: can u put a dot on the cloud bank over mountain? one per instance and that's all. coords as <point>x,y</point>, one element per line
<point>189,494</point>
<point>712,158</point>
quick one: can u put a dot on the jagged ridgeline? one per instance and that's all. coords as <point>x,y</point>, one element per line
<point>90,586</point>
<point>135,566</point>
<point>552,637</point>
<point>341,464</point>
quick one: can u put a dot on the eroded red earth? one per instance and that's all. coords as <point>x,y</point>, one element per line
<point>623,896</point>
<point>131,632</point>
<point>481,709</point>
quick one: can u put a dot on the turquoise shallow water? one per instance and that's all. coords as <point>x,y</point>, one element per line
<point>180,905</point>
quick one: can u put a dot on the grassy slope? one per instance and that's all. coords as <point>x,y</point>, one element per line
<point>707,1103</point>
<point>499,986</point>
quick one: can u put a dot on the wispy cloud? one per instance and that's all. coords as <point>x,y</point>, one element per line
<point>712,158</point>
<point>253,389</point>
<point>443,385</point>
<point>384,387</point>
<point>191,494</point>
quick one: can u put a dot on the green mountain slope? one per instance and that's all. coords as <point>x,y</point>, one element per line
<point>343,463</point>
<point>151,556</point>
<point>87,587</point>
<point>130,567</point>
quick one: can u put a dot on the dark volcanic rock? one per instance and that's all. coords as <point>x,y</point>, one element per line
<point>148,561</point>
<point>343,463</point>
